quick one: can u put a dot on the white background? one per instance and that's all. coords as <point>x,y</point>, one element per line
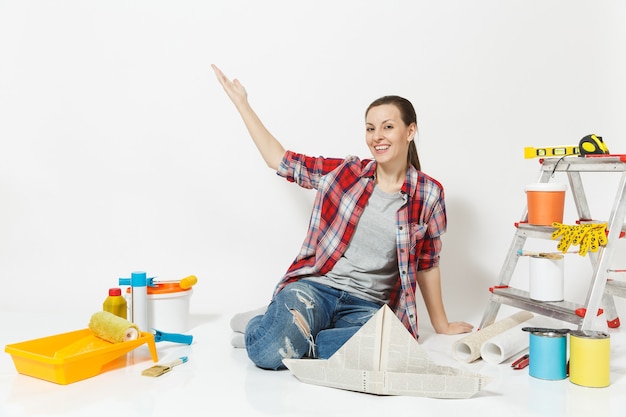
<point>119,151</point>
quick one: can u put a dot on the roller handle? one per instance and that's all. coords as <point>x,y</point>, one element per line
<point>184,283</point>
<point>160,336</point>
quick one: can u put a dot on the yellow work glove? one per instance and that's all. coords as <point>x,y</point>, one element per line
<point>589,236</point>
<point>593,239</point>
<point>566,232</point>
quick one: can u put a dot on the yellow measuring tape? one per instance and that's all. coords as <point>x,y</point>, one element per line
<point>592,144</point>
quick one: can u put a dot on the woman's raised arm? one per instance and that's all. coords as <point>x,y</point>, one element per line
<point>270,148</point>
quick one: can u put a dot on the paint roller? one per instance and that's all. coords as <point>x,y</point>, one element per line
<point>114,329</point>
<point>188,282</point>
<point>184,283</point>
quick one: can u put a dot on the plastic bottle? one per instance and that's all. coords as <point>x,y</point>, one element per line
<point>115,303</point>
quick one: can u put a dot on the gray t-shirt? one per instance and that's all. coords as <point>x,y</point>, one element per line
<point>369,267</point>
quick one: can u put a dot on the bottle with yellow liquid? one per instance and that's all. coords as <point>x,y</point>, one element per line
<point>115,303</point>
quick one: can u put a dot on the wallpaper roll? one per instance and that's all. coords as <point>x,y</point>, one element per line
<point>513,341</point>
<point>467,349</point>
<point>114,329</point>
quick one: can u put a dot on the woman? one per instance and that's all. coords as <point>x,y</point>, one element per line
<point>374,235</point>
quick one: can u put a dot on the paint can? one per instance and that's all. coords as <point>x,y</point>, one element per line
<point>546,202</point>
<point>547,278</point>
<point>589,364</point>
<point>168,307</point>
<point>547,355</point>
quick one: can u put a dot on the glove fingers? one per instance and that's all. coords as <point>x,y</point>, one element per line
<point>593,241</point>
<point>580,232</point>
<point>602,239</point>
<point>589,237</point>
<point>565,242</point>
<point>585,244</point>
<point>561,229</point>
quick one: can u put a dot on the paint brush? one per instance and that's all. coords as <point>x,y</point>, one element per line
<point>158,370</point>
<point>547,255</point>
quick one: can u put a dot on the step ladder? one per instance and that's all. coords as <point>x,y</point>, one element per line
<point>601,289</point>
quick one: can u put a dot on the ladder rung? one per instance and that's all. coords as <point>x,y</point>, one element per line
<point>529,230</point>
<point>612,163</point>
<point>545,232</point>
<point>562,310</point>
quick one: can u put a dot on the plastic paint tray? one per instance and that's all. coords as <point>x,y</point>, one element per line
<point>69,357</point>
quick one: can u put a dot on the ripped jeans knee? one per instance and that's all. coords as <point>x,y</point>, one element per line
<point>287,329</point>
<point>297,321</point>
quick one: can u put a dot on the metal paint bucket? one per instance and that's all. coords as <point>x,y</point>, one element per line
<point>547,355</point>
<point>589,364</point>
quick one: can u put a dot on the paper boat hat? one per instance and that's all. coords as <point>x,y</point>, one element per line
<point>383,358</point>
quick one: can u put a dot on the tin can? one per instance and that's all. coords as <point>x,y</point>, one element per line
<point>590,353</point>
<point>547,355</point>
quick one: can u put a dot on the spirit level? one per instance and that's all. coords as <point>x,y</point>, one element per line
<point>531,152</point>
<point>589,145</point>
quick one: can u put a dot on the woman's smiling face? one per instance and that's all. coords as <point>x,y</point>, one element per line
<point>387,135</point>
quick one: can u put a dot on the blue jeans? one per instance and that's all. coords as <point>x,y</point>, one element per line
<point>305,319</point>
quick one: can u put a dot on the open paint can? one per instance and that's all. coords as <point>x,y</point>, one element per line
<point>168,306</point>
<point>548,355</point>
<point>589,364</point>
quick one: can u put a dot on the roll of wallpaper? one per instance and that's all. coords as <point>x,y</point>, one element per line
<point>114,329</point>
<point>513,341</point>
<point>467,349</point>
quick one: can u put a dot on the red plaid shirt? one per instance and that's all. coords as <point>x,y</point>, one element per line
<point>343,189</point>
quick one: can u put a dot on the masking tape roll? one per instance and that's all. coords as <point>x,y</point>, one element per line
<point>112,328</point>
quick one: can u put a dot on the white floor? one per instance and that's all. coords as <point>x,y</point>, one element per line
<point>220,380</point>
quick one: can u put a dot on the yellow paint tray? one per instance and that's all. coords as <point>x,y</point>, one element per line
<point>69,357</point>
